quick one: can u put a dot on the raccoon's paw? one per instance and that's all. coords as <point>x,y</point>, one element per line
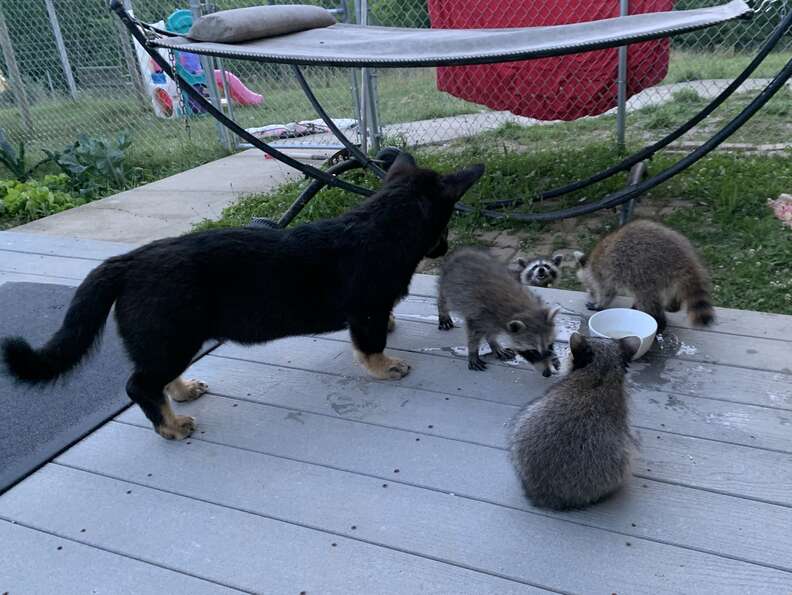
<point>476,363</point>
<point>593,306</point>
<point>180,427</point>
<point>445,323</point>
<point>186,390</point>
<point>504,354</point>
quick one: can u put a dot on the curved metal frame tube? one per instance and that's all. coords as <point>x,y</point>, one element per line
<point>633,192</point>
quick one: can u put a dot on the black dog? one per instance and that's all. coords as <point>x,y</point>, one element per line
<point>252,286</point>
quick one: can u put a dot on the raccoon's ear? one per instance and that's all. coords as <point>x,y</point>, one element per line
<point>552,312</point>
<point>582,355</point>
<point>580,258</point>
<point>521,262</point>
<point>629,347</point>
<point>457,183</point>
<point>403,164</point>
<point>515,326</point>
<point>558,259</point>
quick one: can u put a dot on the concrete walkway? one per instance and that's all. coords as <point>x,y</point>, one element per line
<point>170,206</point>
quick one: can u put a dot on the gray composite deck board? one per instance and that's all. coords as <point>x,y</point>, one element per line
<point>439,372</point>
<point>230,546</point>
<point>423,459</point>
<point>649,510</point>
<point>430,523</point>
<point>35,561</point>
<point>394,405</point>
<point>294,444</point>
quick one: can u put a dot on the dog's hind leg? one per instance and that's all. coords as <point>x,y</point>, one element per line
<point>369,335</point>
<point>182,390</point>
<point>148,392</point>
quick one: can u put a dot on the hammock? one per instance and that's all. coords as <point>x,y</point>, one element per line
<point>386,47</point>
<point>394,47</point>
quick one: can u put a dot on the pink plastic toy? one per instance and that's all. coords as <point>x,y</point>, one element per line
<point>238,91</point>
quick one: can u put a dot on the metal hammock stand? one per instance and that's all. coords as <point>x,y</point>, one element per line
<point>449,47</point>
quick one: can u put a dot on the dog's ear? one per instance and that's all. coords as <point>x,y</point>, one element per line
<point>457,183</point>
<point>403,164</point>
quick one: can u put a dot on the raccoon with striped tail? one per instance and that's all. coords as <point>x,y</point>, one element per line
<point>656,265</point>
<point>572,447</point>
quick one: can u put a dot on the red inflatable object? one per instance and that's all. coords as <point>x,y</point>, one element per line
<point>560,88</point>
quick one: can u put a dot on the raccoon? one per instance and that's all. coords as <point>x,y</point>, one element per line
<point>478,286</point>
<point>572,447</point>
<point>655,264</point>
<point>537,272</point>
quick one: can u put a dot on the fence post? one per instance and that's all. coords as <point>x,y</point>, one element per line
<point>20,96</point>
<point>363,125</point>
<point>621,86</point>
<point>130,57</point>
<point>211,84</point>
<point>64,57</point>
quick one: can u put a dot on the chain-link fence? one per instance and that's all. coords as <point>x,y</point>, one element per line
<point>69,68</point>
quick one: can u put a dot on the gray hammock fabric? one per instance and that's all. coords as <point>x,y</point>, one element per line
<point>393,47</point>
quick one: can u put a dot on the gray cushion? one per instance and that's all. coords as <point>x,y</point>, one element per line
<point>257,22</point>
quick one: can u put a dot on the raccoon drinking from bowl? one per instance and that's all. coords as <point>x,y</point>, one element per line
<point>478,286</point>
<point>653,263</point>
<point>537,272</point>
<point>572,447</point>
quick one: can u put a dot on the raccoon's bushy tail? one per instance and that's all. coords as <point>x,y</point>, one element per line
<point>699,303</point>
<point>80,330</point>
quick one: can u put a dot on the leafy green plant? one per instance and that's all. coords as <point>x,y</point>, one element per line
<point>95,164</point>
<point>15,160</point>
<point>27,201</point>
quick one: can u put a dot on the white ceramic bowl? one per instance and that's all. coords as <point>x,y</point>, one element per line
<point>617,323</point>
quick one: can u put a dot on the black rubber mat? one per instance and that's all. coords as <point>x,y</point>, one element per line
<point>37,423</point>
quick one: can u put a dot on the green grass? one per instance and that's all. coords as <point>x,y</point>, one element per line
<point>725,212</point>
<point>685,65</point>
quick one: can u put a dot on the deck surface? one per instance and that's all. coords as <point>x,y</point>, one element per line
<point>305,476</point>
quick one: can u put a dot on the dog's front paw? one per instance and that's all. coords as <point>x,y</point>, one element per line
<point>398,369</point>
<point>391,322</point>
<point>445,323</point>
<point>181,427</point>
<point>186,390</point>
<point>383,367</point>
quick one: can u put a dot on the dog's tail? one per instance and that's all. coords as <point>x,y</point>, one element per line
<point>79,332</point>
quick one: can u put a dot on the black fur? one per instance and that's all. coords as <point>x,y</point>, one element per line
<point>254,285</point>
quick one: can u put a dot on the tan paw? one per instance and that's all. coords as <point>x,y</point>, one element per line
<point>398,369</point>
<point>391,322</point>
<point>186,390</point>
<point>180,427</point>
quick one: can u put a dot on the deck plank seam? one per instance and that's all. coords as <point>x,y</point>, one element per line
<point>461,395</point>
<point>535,512</point>
<point>311,527</point>
<point>427,487</point>
<point>121,554</point>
